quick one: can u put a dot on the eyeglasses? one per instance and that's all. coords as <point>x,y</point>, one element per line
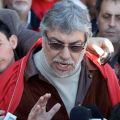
<point>60,46</point>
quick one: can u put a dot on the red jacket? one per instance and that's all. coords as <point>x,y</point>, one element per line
<point>12,83</point>
<point>110,77</point>
<point>10,76</point>
<point>40,7</point>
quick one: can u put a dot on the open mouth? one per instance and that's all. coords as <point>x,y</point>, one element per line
<point>63,66</point>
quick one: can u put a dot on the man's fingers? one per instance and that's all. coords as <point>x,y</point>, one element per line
<point>45,99</point>
<point>34,112</point>
<point>54,110</point>
<point>38,108</point>
<point>100,45</point>
<point>95,46</point>
<point>98,50</point>
<point>108,45</point>
<point>42,101</point>
<point>108,51</point>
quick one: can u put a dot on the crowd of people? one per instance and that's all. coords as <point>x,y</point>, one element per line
<point>54,60</point>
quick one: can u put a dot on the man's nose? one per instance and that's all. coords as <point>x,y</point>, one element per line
<point>112,22</point>
<point>65,53</point>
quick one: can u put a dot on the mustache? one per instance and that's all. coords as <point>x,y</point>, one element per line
<point>67,62</point>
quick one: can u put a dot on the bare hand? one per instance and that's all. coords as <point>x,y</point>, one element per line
<point>101,46</point>
<point>38,112</point>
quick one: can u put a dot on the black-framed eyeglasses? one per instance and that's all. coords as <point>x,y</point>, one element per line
<point>60,46</point>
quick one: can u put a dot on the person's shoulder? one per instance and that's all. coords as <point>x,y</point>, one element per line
<point>7,11</point>
<point>8,15</point>
<point>90,61</point>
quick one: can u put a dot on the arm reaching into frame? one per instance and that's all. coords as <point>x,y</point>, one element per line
<point>102,47</point>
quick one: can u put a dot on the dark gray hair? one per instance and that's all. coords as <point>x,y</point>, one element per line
<point>99,4</point>
<point>66,17</point>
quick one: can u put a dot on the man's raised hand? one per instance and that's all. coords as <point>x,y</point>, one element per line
<point>38,112</point>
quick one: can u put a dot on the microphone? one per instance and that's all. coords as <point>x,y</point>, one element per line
<point>80,113</point>
<point>89,112</point>
<point>96,113</point>
<point>115,114</point>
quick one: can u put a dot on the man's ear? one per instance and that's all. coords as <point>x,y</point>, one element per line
<point>13,41</point>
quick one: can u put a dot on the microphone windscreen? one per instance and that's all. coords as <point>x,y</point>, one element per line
<point>115,114</point>
<point>96,113</point>
<point>80,113</point>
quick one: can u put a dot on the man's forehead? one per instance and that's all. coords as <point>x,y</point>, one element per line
<point>109,4</point>
<point>111,7</point>
<point>64,37</point>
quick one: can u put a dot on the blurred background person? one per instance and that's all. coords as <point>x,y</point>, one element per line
<point>23,8</point>
<point>109,27</point>
<point>40,7</point>
<point>91,6</point>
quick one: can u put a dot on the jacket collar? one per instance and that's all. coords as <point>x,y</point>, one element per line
<point>31,70</point>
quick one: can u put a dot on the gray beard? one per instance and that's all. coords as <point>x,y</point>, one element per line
<point>48,68</point>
